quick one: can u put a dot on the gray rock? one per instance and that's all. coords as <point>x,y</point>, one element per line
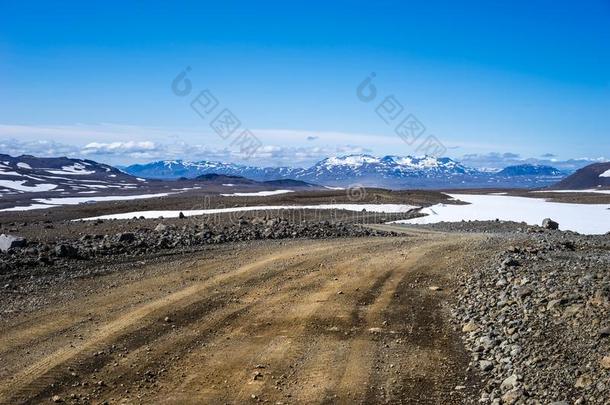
<point>512,396</point>
<point>524,291</point>
<point>548,223</point>
<point>161,228</point>
<point>486,365</point>
<point>126,237</point>
<point>67,251</point>
<point>11,242</point>
<point>509,383</point>
<point>510,262</point>
<point>604,332</point>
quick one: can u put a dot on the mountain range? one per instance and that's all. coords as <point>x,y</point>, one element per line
<point>28,179</point>
<point>387,171</point>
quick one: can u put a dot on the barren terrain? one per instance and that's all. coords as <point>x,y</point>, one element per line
<point>347,320</point>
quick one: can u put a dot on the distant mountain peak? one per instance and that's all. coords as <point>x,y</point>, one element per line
<point>528,169</point>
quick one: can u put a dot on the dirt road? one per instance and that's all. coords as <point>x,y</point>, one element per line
<point>339,321</point>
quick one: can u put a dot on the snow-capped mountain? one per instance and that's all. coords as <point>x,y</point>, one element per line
<point>387,171</point>
<point>351,167</point>
<point>28,174</point>
<point>530,170</point>
<point>387,167</point>
<point>175,169</point>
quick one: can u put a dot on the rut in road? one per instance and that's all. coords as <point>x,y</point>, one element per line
<point>349,320</point>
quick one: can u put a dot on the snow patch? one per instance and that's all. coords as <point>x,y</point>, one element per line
<point>582,218</point>
<point>605,174</point>
<point>19,185</point>
<point>75,169</point>
<point>29,207</point>
<point>258,193</point>
<point>80,200</point>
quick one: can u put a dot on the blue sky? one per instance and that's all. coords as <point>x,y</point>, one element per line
<point>493,82</point>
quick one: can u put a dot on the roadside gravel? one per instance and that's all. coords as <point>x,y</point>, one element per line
<point>537,319</point>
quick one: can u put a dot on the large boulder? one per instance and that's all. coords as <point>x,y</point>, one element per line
<point>126,237</point>
<point>11,242</point>
<point>548,223</point>
<point>66,251</point>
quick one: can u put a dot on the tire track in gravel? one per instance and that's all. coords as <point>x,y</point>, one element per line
<point>123,324</point>
<point>341,321</point>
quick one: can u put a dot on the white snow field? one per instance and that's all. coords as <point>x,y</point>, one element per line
<point>23,165</point>
<point>605,174</point>
<point>582,218</point>
<point>59,201</point>
<point>75,169</point>
<point>81,200</point>
<point>258,193</point>
<point>20,186</point>
<point>379,208</point>
<point>29,207</point>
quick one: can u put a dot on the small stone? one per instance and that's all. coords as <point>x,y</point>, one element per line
<point>62,250</point>
<point>434,288</point>
<point>56,398</point>
<point>486,365</point>
<point>512,396</point>
<point>167,319</point>
<point>509,383</point>
<point>605,362</point>
<point>604,332</point>
<point>583,381</point>
<point>126,237</point>
<point>524,291</point>
<point>161,228</point>
<point>510,262</point>
<point>469,327</point>
<point>181,215</point>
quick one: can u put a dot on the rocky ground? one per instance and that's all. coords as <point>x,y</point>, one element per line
<point>537,319</point>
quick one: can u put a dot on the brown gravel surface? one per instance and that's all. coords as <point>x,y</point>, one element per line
<point>300,321</point>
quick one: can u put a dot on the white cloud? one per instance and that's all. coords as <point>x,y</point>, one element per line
<point>41,148</point>
<point>101,148</point>
<point>145,151</point>
<point>497,160</point>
